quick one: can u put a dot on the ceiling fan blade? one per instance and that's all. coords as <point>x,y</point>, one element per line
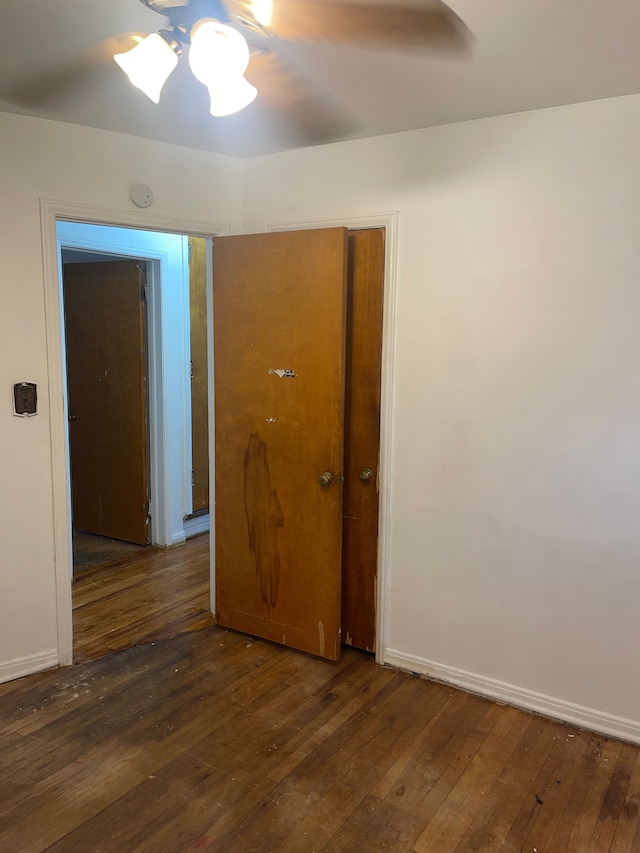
<point>309,116</point>
<point>49,86</point>
<point>431,25</point>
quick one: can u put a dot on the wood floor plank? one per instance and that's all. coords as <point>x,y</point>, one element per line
<point>626,838</point>
<point>554,798</point>
<point>542,784</point>
<point>91,550</point>
<point>574,806</point>
<point>554,820</point>
<point>586,819</point>
<point>457,812</point>
<point>422,784</point>
<point>508,793</point>
<point>179,803</point>
<point>390,780</point>
<point>376,826</point>
<point>614,801</point>
<point>436,767</point>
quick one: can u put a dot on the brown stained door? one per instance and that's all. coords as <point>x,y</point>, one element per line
<point>279,341</point>
<point>106,370</point>
<point>362,437</point>
<point>199,374</point>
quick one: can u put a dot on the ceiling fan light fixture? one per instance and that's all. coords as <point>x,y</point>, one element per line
<point>149,64</point>
<point>230,96</point>
<point>217,51</point>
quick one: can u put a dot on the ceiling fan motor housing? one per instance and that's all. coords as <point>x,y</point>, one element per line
<point>184,15</point>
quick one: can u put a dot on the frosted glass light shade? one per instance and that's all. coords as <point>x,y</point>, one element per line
<point>231,95</point>
<point>148,65</point>
<point>217,51</point>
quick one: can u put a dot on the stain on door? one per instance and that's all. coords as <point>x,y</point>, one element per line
<point>264,519</point>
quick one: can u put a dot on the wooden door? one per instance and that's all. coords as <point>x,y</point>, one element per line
<point>279,341</point>
<point>362,436</point>
<point>106,374</point>
<point>199,374</point>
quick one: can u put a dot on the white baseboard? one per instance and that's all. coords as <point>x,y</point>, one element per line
<point>178,538</point>
<point>511,694</point>
<point>197,525</point>
<point>26,666</point>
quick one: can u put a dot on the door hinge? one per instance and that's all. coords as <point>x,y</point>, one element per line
<point>191,368</point>
<point>189,251</point>
<point>193,477</point>
<point>144,294</point>
<point>149,508</point>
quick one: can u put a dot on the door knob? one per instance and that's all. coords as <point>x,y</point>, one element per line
<point>325,479</point>
<point>366,475</point>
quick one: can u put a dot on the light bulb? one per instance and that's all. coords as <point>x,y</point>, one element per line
<point>262,11</point>
<point>216,51</point>
<point>148,65</point>
<point>230,95</point>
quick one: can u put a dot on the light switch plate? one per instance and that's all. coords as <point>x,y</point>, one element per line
<point>25,399</point>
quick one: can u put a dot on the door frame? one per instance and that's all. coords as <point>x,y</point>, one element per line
<point>51,212</point>
<point>160,522</point>
<point>388,221</point>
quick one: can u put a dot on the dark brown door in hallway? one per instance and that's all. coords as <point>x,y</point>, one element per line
<point>107,392</point>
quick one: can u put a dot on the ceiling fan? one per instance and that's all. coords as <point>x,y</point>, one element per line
<point>233,48</point>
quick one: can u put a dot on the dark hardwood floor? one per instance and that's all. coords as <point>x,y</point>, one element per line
<point>146,595</point>
<point>215,741</point>
<point>90,550</point>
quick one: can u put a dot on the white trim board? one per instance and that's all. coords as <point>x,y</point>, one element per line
<point>28,665</point>
<point>197,525</point>
<point>50,212</point>
<point>511,694</point>
<point>388,221</point>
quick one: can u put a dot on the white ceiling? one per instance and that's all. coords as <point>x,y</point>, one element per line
<point>528,54</point>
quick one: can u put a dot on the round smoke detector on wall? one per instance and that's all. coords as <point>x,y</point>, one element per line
<point>141,195</point>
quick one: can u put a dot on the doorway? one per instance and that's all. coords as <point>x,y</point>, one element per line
<point>156,318</point>
<point>165,256</point>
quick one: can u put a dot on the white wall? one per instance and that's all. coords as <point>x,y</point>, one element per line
<point>71,165</point>
<point>515,484</point>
